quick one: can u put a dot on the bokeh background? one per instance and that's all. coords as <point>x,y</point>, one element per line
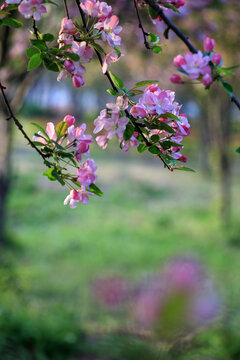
<point>51,256</point>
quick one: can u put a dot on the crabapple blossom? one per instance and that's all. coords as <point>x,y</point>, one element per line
<point>86,173</point>
<point>208,44</point>
<point>176,79</point>
<point>138,111</point>
<point>70,120</point>
<point>76,196</point>
<point>217,59</point>
<point>78,81</point>
<point>90,7</point>
<point>67,27</point>
<point>32,8</point>
<point>207,79</point>
<point>109,30</point>
<point>51,132</point>
<point>108,60</point>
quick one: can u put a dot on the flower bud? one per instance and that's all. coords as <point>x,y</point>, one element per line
<point>70,120</point>
<point>176,79</point>
<point>216,58</point>
<point>179,61</point>
<point>78,81</point>
<point>207,80</point>
<point>69,66</point>
<point>208,44</point>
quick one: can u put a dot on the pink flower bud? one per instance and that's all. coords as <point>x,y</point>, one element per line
<point>179,3</point>
<point>67,26</point>
<point>216,58</point>
<point>183,158</point>
<point>176,79</point>
<point>208,44</point>
<point>69,66</point>
<point>207,80</point>
<point>78,81</point>
<point>70,120</point>
<point>179,61</point>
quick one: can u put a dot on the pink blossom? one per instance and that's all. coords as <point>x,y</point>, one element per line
<point>83,51</point>
<point>70,120</point>
<point>100,121</point>
<point>90,7</point>
<point>78,81</point>
<point>195,64</point>
<point>86,173</point>
<point>65,39</point>
<point>176,79</point>
<point>109,30</point>
<point>208,44</point>
<point>216,58</point>
<point>50,130</point>
<point>81,195</point>
<point>102,141</point>
<point>131,142</point>
<point>31,8</point>
<point>121,104</point>
<point>179,61</point>
<point>13,1</point>
<point>207,80</point>
<point>67,26</point>
<point>104,10</point>
<point>108,60</point>
<point>79,140</point>
<point>183,125</point>
<point>138,111</point>
<point>111,291</point>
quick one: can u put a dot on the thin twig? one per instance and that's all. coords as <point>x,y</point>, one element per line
<point>112,84</point>
<point>17,122</point>
<point>181,35</point>
<point>35,29</point>
<point>66,8</point>
<point>145,34</point>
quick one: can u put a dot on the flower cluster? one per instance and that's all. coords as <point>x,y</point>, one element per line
<point>73,69</point>
<point>30,8</point>
<point>199,66</point>
<point>106,27</point>
<point>162,118</point>
<point>114,123</point>
<point>175,301</point>
<point>67,143</point>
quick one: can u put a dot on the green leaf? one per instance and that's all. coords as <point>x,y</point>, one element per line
<point>153,38</point>
<point>61,129</point>
<point>141,148</point>
<point>95,190</point>
<point>34,61</point>
<point>72,56</point>
<point>113,92</point>
<point>41,129</point>
<point>167,144</point>
<point>171,116</point>
<point>48,37</point>
<point>157,49</point>
<point>224,71</point>
<point>98,48</point>
<point>183,168</point>
<point>154,150</point>
<point>8,21</point>
<point>154,138</point>
<point>116,80</point>
<point>166,127</point>
<point>65,47</point>
<point>11,7</point>
<point>128,132</point>
<point>168,6</point>
<point>152,13</point>
<point>117,51</point>
<point>51,174</point>
<point>238,150</point>
<point>37,143</point>
<point>32,51</point>
<point>52,66</point>
<point>227,87</point>
<point>144,83</point>
<point>40,44</point>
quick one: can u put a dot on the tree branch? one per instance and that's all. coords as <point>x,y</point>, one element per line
<point>181,35</point>
<point>145,34</point>
<point>66,8</point>
<point>17,122</point>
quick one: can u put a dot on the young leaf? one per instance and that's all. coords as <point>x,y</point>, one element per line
<point>183,168</point>
<point>10,22</point>
<point>48,37</point>
<point>153,38</point>
<point>128,132</point>
<point>72,56</point>
<point>95,190</point>
<point>31,51</point>
<point>171,116</point>
<point>157,49</point>
<point>51,174</point>
<point>152,13</point>
<point>40,44</point>
<point>238,150</point>
<point>141,148</point>
<point>168,6</point>
<point>34,61</point>
<point>144,83</point>
<point>41,129</point>
<point>116,80</point>
<point>112,92</point>
<point>167,144</point>
<point>61,129</point>
<point>98,48</point>
<point>227,87</point>
<point>154,138</point>
<point>52,66</point>
<point>117,51</point>
<point>154,150</point>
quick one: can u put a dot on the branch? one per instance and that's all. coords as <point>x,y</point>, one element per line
<point>111,82</point>
<point>145,34</point>
<point>17,122</point>
<point>66,8</point>
<point>181,35</point>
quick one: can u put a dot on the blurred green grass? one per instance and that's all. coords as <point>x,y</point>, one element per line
<point>147,216</point>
